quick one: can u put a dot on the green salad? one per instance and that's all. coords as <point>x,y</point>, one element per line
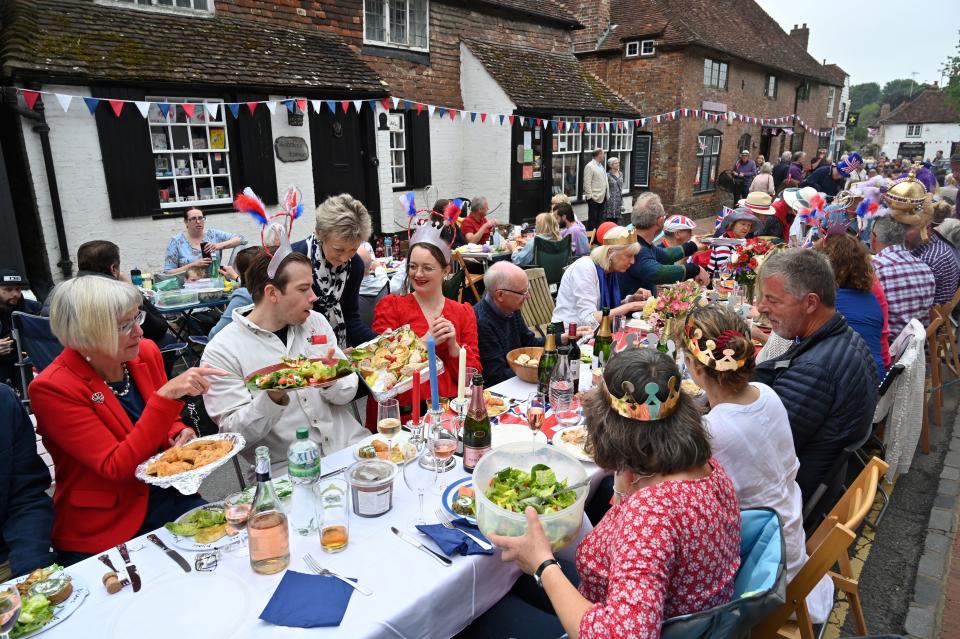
<point>35,613</point>
<point>513,489</point>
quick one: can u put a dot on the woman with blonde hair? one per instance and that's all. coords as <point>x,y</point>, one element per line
<point>592,283</point>
<point>546,227</point>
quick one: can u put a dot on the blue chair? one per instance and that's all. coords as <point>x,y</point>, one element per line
<point>33,336</point>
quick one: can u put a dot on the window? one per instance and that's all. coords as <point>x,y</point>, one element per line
<point>647,47</point>
<point>633,49</point>
<point>199,6</point>
<point>190,152</point>
<point>708,160</point>
<point>409,149</point>
<point>831,99</point>
<point>621,145</point>
<point>398,150</point>
<point>770,90</point>
<point>640,48</point>
<point>573,149</point>
<point>566,159</point>
<point>744,143</point>
<point>796,142</point>
<point>914,130</point>
<point>714,74</point>
<point>803,91</point>
<point>396,23</point>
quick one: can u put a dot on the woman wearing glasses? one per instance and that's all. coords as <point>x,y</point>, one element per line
<point>103,406</point>
<point>197,244</point>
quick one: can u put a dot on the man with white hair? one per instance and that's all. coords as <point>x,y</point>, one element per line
<point>476,227</point>
<point>782,170</point>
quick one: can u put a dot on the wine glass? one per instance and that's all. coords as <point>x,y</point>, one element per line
<point>388,420</point>
<point>236,510</point>
<point>9,609</point>
<point>536,408</point>
<point>419,479</point>
<point>566,410</point>
<point>443,443</point>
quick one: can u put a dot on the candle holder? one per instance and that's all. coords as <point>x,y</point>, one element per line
<point>459,408</point>
<point>416,433</point>
<point>427,460</point>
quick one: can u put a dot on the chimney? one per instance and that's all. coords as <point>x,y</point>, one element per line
<point>801,35</point>
<point>884,110</point>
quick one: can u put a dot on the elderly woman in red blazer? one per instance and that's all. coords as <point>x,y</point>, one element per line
<point>104,406</point>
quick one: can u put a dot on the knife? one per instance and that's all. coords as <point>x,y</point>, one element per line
<point>173,554</point>
<point>416,544</point>
<point>131,569</point>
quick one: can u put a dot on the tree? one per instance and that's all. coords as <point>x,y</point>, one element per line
<point>896,92</point>
<point>861,94</point>
<point>951,69</point>
<point>868,118</point>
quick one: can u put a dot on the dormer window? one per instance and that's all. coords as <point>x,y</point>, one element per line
<point>640,48</point>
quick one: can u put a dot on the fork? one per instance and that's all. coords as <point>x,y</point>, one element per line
<point>323,572</point>
<point>444,520</point>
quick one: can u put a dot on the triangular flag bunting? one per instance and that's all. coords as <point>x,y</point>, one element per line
<point>583,125</point>
<point>271,106</point>
<point>502,118</point>
<point>407,105</point>
<point>290,105</point>
<point>331,105</point>
<point>234,108</point>
<point>143,107</point>
<point>473,116</point>
<point>553,123</point>
<point>395,101</point>
<point>164,108</point>
<point>91,104</point>
<point>511,118</point>
<point>373,105</point>
<point>117,106</point>
<point>483,117</point>
<point>357,104</point>
<point>187,107</point>
<point>345,104</point>
<point>419,108</point>
<point>64,100</point>
<point>30,97</point>
<point>537,120</point>
<point>386,103</point>
<point>302,105</point>
<point>316,104</point>
<point>430,110</point>
<point>211,108</point>
<point>251,107</point>
<point>441,112</point>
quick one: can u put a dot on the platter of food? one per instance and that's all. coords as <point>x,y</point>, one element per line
<point>202,529</point>
<point>400,451</point>
<point>292,374</point>
<point>386,364</point>
<point>184,467</point>
<point>459,500</point>
<point>572,440</point>
<point>48,596</point>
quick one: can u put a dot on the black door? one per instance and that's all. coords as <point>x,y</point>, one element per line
<point>344,157</point>
<point>530,175</point>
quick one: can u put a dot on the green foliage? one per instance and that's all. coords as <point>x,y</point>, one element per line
<point>951,69</point>
<point>861,94</point>
<point>868,117</point>
<point>896,92</point>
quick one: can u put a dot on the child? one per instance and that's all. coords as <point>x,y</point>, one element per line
<point>195,273</point>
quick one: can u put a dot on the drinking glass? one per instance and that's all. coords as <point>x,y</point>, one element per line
<point>9,609</point>
<point>567,411</point>
<point>332,501</point>
<point>388,419</point>
<point>443,443</point>
<point>419,479</point>
<point>536,409</point>
<point>236,510</point>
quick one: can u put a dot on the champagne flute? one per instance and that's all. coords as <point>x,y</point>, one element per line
<point>419,479</point>
<point>536,408</point>
<point>9,609</point>
<point>236,510</point>
<point>388,420</point>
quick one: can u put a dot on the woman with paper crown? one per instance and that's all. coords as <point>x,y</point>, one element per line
<point>428,312</point>
<point>669,545</point>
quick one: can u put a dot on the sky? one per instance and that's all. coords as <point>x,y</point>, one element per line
<point>865,38</point>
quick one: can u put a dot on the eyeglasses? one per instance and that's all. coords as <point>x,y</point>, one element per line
<point>524,294</point>
<point>196,219</point>
<point>422,268</point>
<point>127,327</point>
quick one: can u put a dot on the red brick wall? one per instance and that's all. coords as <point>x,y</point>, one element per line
<point>594,15</point>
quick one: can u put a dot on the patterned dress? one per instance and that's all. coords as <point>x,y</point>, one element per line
<point>667,550</point>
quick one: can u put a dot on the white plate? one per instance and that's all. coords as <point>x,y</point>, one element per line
<point>226,604</point>
<point>189,543</point>
<point>62,610</point>
<point>573,449</point>
<point>451,493</point>
<point>399,438</point>
<point>507,433</point>
<point>639,323</point>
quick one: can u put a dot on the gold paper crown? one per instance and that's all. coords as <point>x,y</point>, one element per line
<point>620,241</point>
<point>707,356</point>
<point>652,409</point>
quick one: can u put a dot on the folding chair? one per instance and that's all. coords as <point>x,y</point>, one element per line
<point>552,257</point>
<point>884,408</point>
<point>33,336</point>
<point>453,287</point>
<point>590,237</point>
<point>831,485</point>
<point>469,279</point>
<point>537,311</point>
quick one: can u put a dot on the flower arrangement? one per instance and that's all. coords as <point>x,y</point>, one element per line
<point>674,302</point>
<point>745,260</point>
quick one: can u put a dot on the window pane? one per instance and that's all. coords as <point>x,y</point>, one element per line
<point>373,19</point>
<point>418,23</point>
<point>398,21</point>
<point>200,4</point>
<point>722,83</point>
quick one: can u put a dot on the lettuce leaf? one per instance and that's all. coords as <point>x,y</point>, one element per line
<point>35,613</point>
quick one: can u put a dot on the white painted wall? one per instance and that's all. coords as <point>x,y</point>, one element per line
<point>936,137</point>
<point>83,190</point>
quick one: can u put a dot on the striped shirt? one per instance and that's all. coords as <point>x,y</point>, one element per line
<point>940,257</point>
<point>719,256</point>
<point>908,284</point>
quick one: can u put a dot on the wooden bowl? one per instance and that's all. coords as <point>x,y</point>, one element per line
<point>526,373</point>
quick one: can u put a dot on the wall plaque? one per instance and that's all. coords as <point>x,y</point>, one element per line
<point>291,149</point>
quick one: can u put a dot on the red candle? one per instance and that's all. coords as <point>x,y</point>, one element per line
<point>416,397</point>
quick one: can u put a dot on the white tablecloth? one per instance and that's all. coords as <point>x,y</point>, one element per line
<point>413,595</point>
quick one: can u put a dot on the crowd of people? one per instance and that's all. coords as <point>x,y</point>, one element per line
<point>777,420</point>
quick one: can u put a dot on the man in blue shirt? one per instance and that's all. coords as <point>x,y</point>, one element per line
<point>500,326</point>
<point>830,179</point>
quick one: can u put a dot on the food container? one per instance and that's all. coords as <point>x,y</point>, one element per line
<point>166,299</point>
<point>561,527</point>
<point>526,373</point>
<point>371,486</point>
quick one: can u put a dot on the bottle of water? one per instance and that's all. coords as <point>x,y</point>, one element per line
<point>303,467</point>
<point>388,247</point>
<point>497,238</point>
<point>561,380</point>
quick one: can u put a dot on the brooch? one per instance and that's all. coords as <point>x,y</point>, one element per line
<point>97,397</point>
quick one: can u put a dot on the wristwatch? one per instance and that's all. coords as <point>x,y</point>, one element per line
<point>546,564</point>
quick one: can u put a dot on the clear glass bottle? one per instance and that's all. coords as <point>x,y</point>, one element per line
<point>267,530</point>
<point>561,380</point>
<point>303,468</point>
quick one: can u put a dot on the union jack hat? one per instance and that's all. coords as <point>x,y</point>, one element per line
<point>853,163</point>
<point>679,223</point>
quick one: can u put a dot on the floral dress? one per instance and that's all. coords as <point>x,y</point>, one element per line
<point>667,550</point>
<point>180,253</point>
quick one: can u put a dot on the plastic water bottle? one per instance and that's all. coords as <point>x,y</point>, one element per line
<point>497,239</point>
<point>388,247</point>
<point>303,467</point>
<point>136,277</point>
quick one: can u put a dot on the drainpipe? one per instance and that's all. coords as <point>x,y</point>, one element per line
<point>42,129</point>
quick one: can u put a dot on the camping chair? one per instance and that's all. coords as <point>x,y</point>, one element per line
<point>851,511</point>
<point>33,336</point>
<point>537,311</point>
<point>824,552</point>
<point>368,303</point>
<point>453,287</point>
<point>552,257</point>
<point>759,586</point>
<point>469,279</point>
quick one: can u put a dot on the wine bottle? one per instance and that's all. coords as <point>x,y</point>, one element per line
<point>267,528</point>
<point>603,345</point>
<point>547,361</point>
<point>476,427</point>
<point>561,384</point>
<point>574,357</point>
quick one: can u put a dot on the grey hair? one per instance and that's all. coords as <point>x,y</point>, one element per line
<point>646,209</point>
<point>85,311</point>
<point>785,156</point>
<point>798,155</point>
<point>889,231</point>
<point>344,216</point>
<point>611,160</point>
<point>478,203</point>
<point>497,275</point>
<point>803,272</point>
<point>766,168</point>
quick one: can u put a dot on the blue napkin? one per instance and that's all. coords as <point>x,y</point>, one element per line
<point>307,601</point>
<point>452,542</point>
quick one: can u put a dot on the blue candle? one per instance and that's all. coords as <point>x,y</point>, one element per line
<point>432,359</point>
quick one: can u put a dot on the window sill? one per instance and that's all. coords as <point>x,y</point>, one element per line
<point>176,213</point>
<point>396,53</point>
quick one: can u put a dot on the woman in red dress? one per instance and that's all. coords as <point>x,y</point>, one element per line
<point>428,312</point>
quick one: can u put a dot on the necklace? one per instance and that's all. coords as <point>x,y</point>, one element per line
<point>126,383</point>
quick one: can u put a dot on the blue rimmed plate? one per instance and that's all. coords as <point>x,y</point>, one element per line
<point>450,495</point>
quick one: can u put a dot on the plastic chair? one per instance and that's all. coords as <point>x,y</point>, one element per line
<point>552,257</point>
<point>34,337</point>
<point>537,311</point>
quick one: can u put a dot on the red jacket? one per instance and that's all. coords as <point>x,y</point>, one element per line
<point>98,502</point>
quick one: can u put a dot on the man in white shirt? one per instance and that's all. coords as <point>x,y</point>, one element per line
<point>280,323</point>
<point>595,189</point>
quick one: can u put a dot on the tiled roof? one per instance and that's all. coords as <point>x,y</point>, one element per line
<point>551,82</point>
<point>541,8</point>
<point>930,106</point>
<point>738,28</point>
<point>82,40</point>
<point>839,75</point>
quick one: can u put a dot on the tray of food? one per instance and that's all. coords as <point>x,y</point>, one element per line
<point>184,467</point>
<point>292,374</point>
<point>400,451</point>
<point>386,364</point>
<point>202,528</point>
<point>47,597</point>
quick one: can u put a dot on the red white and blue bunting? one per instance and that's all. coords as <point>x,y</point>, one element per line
<point>300,104</point>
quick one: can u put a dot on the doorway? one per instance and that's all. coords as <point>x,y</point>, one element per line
<point>530,175</point>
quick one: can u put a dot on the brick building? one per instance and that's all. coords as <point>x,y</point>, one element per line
<point>718,56</point>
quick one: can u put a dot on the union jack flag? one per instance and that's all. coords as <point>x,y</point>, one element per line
<point>723,213</point>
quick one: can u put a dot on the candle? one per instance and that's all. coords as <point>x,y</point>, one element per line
<point>416,397</point>
<point>432,359</point>
<point>462,375</point>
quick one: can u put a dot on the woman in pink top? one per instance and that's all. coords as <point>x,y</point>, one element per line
<point>669,546</point>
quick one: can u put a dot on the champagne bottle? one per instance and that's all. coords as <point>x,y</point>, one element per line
<point>547,361</point>
<point>603,345</point>
<point>574,357</point>
<point>476,427</point>
<point>267,528</point>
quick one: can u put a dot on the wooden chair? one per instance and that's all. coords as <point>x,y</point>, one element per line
<point>933,381</point>
<point>590,237</point>
<point>537,311</point>
<point>826,552</point>
<point>469,279</point>
<point>947,336</point>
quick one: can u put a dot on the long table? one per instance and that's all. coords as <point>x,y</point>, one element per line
<point>413,595</point>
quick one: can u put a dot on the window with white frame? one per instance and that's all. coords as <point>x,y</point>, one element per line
<point>398,150</point>
<point>831,99</point>
<point>647,47</point>
<point>566,158</point>
<point>714,73</point>
<point>190,152</point>
<point>573,149</point>
<point>396,23</point>
<point>770,90</point>
<point>595,136</point>
<point>914,130</point>
<point>632,49</point>
<point>621,147</point>
<point>708,161</point>
<point>199,6</point>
